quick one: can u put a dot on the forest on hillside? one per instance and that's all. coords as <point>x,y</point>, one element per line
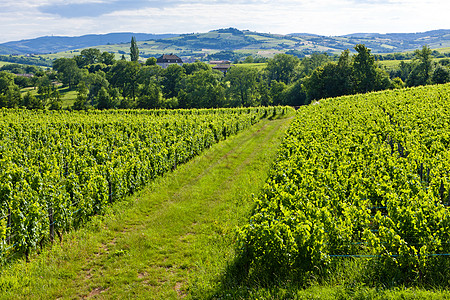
<point>102,82</point>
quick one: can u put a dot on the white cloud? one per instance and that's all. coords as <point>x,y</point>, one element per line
<point>26,19</point>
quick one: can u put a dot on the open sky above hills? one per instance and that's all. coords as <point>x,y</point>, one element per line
<point>22,19</point>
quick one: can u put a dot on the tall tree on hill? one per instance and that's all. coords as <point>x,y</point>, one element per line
<point>68,71</point>
<point>364,69</point>
<point>315,60</point>
<point>282,68</point>
<point>10,95</point>
<point>173,76</point>
<point>330,80</point>
<point>81,101</point>
<point>202,89</point>
<point>124,76</point>
<point>243,86</point>
<point>440,75</point>
<point>367,75</point>
<point>104,99</point>
<point>134,51</point>
<point>88,57</point>
<point>421,73</point>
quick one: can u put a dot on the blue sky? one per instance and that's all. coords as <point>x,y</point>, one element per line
<point>22,19</point>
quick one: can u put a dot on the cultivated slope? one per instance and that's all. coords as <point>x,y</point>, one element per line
<point>173,239</point>
<point>233,39</point>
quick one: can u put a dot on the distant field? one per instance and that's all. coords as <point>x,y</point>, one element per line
<point>154,49</point>
<point>391,64</point>
<point>68,97</point>
<point>258,66</point>
<point>443,50</point>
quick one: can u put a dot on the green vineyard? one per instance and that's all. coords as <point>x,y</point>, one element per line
<point>364,177</point>
<point>59,168</point>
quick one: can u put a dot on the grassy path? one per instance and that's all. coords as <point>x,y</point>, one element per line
<point>173,239</point>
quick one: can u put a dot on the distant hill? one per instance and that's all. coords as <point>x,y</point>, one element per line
<point>399,42</point>
<point>53,44</point>
<point>6,50</point>
<point>230,43</point>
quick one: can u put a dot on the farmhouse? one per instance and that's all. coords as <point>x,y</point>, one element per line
<point>221,65</point>
<point>168,59</point>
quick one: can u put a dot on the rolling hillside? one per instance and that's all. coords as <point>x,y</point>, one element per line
<point>229,43</point>
<point>234,39</point>
<point>52,44</point>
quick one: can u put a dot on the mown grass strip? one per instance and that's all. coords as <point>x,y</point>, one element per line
<point>173,239</point>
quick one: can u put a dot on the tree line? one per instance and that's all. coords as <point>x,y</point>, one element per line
<point>103,82</point>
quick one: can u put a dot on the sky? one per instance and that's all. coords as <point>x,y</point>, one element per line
<point>24,19</point>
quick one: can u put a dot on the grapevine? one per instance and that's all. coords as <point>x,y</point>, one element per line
<point>363,176</point>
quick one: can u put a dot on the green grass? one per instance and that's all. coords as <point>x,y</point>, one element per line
<point>344,282</point>
<point>258,66</point>
<point>443,50</point>
<point>68,96</point>
<point>174,238</point>
<point>392,64</point>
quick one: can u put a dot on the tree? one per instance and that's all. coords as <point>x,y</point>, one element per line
<point>196,66</point>
<point>104,99</point>
<point>150,74</point>
<point>124,76</point>
<point>421,73</point>
<point>172,79</point>
<point>6,80</point>
<point>402,71</point>
<point>330,80</point>
<point>68,71</point>
<point>88,57</point>
<point>45,90</point>
<point>345,85</point>
<point>95,82</point>
<point>440,75</point>
<point>277,92</point>
<point>134,51</point>
<point>364,69</point>
<point>202,89</point>
<point>108,58</point>
<point>9,92</point>
<point>397,83</point>
<point>249,60</point>
<point>282,68</point>
<point>315,60</point>
<point>11,98</point>
<point>27,99</point>
<point>32,102</point>
<point>294,95</point>
<point>263,89</point>
<point>321,83</point>
<point>81,101</point>
<point>242,86</point>
<point>367,76</point>
<point>149,96</point>
<point>151,61</point>
<point>55,100</point>
<point>23,81</point>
